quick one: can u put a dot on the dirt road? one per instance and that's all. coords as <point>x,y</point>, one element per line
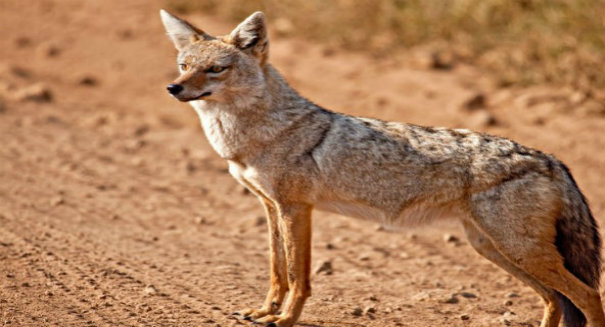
<point>115,211</point>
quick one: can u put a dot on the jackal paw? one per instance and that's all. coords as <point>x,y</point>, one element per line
<point>266,319</point>
<point>252,314</point>
<point>275,321</point>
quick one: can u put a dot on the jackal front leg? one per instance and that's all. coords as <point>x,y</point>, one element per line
<point>295,227</point>
<point>278,280</point>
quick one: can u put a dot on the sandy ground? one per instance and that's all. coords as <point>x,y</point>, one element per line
<point>114,210</point>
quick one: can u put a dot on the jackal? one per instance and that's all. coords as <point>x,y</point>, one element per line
<point>520,208</point>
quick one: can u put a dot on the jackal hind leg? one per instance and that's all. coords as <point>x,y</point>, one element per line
<point>520,219</point>
<point>483,245</point>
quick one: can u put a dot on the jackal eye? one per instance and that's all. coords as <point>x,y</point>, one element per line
<point>216,69</point>
<point>183,67</point>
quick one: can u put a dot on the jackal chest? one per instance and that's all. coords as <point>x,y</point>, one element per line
<point>220,130</point>
<point>220,140</point>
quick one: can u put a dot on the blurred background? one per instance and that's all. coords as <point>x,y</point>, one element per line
<point>520,41</point>
<point>114,209</point>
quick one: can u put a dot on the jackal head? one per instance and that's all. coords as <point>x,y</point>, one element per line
<point>218,68</point>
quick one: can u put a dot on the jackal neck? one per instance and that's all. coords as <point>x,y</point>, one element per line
<point>241,128</point>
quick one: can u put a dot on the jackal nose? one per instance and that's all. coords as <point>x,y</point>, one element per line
<point>174,89</point>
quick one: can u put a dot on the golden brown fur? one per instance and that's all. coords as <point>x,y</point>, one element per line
<point>520,208</point>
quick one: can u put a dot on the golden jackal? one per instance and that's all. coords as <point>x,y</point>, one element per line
<point>520,208</point>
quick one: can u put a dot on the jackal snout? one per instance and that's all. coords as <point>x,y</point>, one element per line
<point>195,83</point>
<point>174,89</point>
<point>177,90</point>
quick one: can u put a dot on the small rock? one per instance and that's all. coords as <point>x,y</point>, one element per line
<point>48,50</point>
<point>443,60</point>
<point>150,290</point>
<point>465,317</point>
<point>57,201</point>
<point>364,257</point>
<point>260,221</point>
<point>357,312</point>
<point>88,81</point>
<point>508,303</point>
<point>190,167</point>
<point>324,268</point>
<point>48,293</point>
<point>125,34</point>
<point>539,121</point>
<point>98,120</point>
<point>36,92</point>
<point>507,318</point>
<point>185,152</point>
<point>382,101</point>
<point>200,220</point>
<point>373,298</point>
<point>369,310</point>
<point>25,284</point>
<point>143,307</point>
<point>449,238</point>
<point>484,119</point>
<point>474,102</point>
<point>141,130</point>
<point>512,295</point>
<point>577,97</point>
<point>330,246</point>
<point>450,300</point>
<point>468,295</point>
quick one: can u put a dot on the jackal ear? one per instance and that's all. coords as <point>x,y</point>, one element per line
<point>251,36</point>
<point>180,31</point>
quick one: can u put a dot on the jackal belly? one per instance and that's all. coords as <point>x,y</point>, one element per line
<point>352,209</point>
<point>416,214</point>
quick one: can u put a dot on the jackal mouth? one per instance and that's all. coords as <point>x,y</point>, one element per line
<point>203,95</point>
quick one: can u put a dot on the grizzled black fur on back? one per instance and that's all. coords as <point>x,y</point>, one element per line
<point>579,243</point>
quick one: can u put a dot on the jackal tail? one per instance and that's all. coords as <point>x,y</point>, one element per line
<point>579,243</point>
